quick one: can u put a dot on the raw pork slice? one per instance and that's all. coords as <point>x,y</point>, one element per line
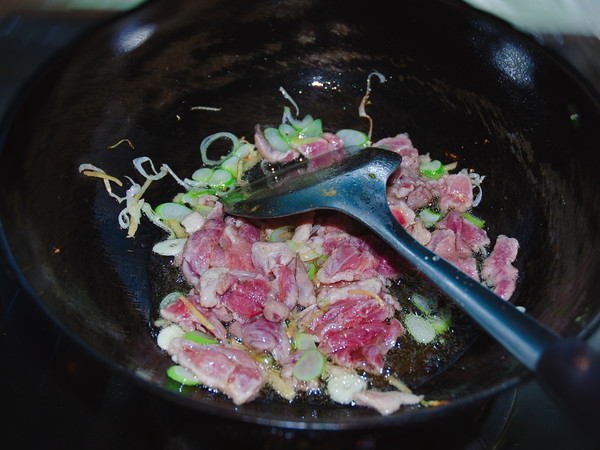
<point>230,370</point>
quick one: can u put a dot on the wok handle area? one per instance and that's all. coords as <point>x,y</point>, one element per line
<point>569,370</point>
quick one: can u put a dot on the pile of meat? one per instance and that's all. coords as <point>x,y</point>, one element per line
<point>257,293</point>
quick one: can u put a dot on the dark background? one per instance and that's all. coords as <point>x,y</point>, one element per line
<point>55,396</point>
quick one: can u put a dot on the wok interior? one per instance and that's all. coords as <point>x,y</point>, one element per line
<point>473,89</point>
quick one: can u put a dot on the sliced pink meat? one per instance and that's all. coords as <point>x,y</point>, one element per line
<point>348,263</point>
<point>269,255</point>
<point>413,190</point>
<point>453,192</point>
<point>285,286</point>
<point>214,283</point>
<point>198,250</point>
<point>236,241</point>
<point>275,311</point>
<point>247,295</point>
<point>262,335</point>
<point>327,143</point>
<point>343,314</point>
<point>362,346</point>
<point>386,402</point>
<point>178,312</point>
<point>351,324</point>
<point>498,270</point>
<point>469,233</point>
<point>402,145</point>
<point>445,244</point>
<point>403,214</point>
<point>306,288</point>
<point>230,370</point>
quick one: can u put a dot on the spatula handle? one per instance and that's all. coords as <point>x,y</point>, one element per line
<point>568,369</point>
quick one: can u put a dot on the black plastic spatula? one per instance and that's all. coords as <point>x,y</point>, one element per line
<point>353,181</point>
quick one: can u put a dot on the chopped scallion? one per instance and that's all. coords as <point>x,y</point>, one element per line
<point>310,365</point>
<point>182,375</point>
<point>420,328</point>
<point>275,139</point>
<point>299,140</point>
<point>474,220</point>
<point>169,298</point>
<point>429,217</point>
<point>204,210</point>
<point>311,269</point>
<point>282,234</point>
<point>292,246</point>
<point>313,130</point>
<point>221,179</point>
<point>432,169</point>
<point>424,304</point>
<point>232,165</point>
<point>300,124</point>
<point>202,175</point>
<point>242,150</point>
<point>200,338</point>
<point>287,131</point>
<point>169,247</point>
<point>441,321</point>
<point>171,210</point>
<point>353,138</point>
<point>304,341</point>
<point>207,141</point>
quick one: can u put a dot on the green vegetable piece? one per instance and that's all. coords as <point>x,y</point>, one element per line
<point>313,130</point>
<point>353,138</point>
<point>275,139</point>
<point>282,234</point>
<point>311,269</point>
<point>200,338</point>
<point>182,375</point>
<point>301,124</point>
<point>432,169</point>
<point>172,210</point>
<point>221,179</point>
<point>287,131</point>
<point>424,304</point>
<point>201,192</point>
<point>441,322</point>
<point>204,210</point>
<point>429,217</point>
<point>310,365</point>
<point>242,150</point>
<point>231,165</point>
<point>202,175</point>
<point>292,246</point>
<point>474,220</point>
<point>420,328</point>
<point>169,298</point>
<point>304,341</point>
<point>299,140</point>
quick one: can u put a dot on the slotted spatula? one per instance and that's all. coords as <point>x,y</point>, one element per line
<point>353,181</point>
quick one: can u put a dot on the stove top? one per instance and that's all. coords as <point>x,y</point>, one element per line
<point>56,396</point>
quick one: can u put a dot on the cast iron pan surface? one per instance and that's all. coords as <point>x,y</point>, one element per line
<point>458,81</point>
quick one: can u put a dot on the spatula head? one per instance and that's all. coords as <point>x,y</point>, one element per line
<point>347,180</point>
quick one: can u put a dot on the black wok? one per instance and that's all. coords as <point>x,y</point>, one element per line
<point>459,82</point>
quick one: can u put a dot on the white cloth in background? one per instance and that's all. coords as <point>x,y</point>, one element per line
<point>579,17</point>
